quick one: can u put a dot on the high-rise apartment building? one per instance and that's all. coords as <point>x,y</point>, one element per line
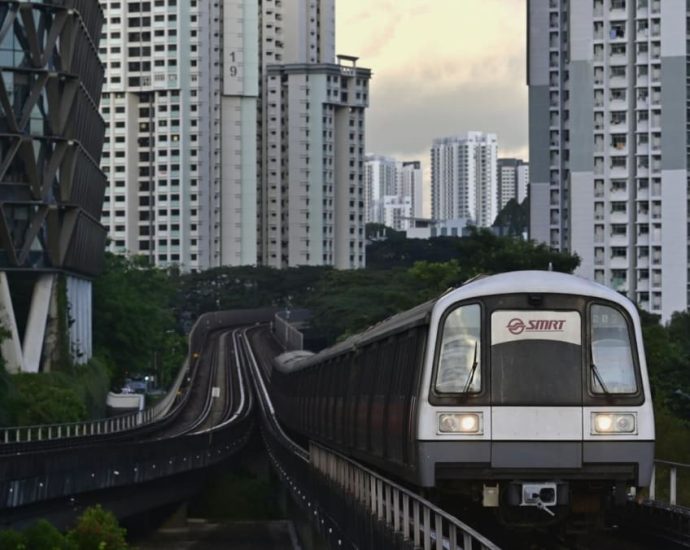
<point>314,173</point>
<point>312,140</point>
<point>197,94</point>
<point>513,180</point>
<point>608,142</point>
<point>464,179</point>
<point>412,185</point>
<point>393,191</point>
<point>381,178</point>
<point>161,115</point>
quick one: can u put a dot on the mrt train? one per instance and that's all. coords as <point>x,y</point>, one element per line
<point>527,391</point>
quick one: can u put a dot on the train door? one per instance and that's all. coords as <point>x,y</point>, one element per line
<point>536,384</point>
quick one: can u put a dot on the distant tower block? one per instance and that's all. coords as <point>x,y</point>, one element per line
<point>51,187</point>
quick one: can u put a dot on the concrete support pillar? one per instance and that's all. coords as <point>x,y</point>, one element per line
<point>11,346</point>
<point>36,324</point>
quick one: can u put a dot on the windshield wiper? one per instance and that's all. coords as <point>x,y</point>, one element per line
<point>472,370</point>
<point>597,375</point>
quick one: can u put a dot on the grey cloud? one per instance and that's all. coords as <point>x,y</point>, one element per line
<point>404,119</point>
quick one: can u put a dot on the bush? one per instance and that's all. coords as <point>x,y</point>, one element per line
<point>98,529</point>
<point>44,536</point>
<point>12,540</point>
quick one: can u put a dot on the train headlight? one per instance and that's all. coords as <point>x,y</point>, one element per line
<point>613,423</point>
<point>460,423</point>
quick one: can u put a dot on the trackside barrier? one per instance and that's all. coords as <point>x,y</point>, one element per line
<point>203,325</point>
<point>351,506</point>
<point>104,426</point>
<point>407,516</point>
<point>672,468</point>
<point>288,336</point>
<point>115,424</point>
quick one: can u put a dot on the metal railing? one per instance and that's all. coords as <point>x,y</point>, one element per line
<point>347,501</point>
<point>289,337</point>
<point>673,468</point>
<point>104,426</point>
<point>404,512</point>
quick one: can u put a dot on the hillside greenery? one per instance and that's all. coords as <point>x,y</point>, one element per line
<point>95,529</point>
<point>141,314</point>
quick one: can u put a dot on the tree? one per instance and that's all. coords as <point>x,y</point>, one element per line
<point>513,219</point>
<point>98,529</point>
<point>345,302</point>
<point>42,535</point>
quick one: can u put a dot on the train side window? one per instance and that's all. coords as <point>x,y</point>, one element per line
<point>613,366</point>
<point>459,368</point>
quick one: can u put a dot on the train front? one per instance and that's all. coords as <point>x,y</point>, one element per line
<point>539,401</point>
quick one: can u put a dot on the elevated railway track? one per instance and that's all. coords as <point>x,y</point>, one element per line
<point>221,396</point>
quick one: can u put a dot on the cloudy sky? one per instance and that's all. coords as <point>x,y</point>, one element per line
<point>441,67</point>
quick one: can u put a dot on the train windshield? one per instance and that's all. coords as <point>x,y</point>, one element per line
<point>613,368</point>
<point>459,369</point>
<point>536,357</point>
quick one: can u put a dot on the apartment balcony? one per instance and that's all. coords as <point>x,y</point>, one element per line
<point>643,286</point>
<point>642,239</point>
<point>642,217</point>
<point>643,263</point>
<point>618,217</point>
<point>618,104</point>
<point>618,81</point>
<point>616,239</point>
<point>618,59</point>
<point>618,263</point>
<point>643,126</point>
<point>618,172</point>
<point>617,127</point>
<point>642,171</point>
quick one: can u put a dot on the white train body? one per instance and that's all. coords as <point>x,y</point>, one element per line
<point>526,389</point>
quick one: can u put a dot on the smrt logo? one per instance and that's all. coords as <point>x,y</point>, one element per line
<point>517,326</point>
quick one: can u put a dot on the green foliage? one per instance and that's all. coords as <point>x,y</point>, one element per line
<point>485,253</point>
<point>245,287</point>
<point>42,535</point>
<point>667,349</point>
<point>55,397</point>
<point>12,540</point>
<point>513,219</point>
<point>345,302</point>
<point>134,326</point>
<point>45,399</point>
<point>239,495</point>
<point>480,252</point>
<point>98,529</point>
